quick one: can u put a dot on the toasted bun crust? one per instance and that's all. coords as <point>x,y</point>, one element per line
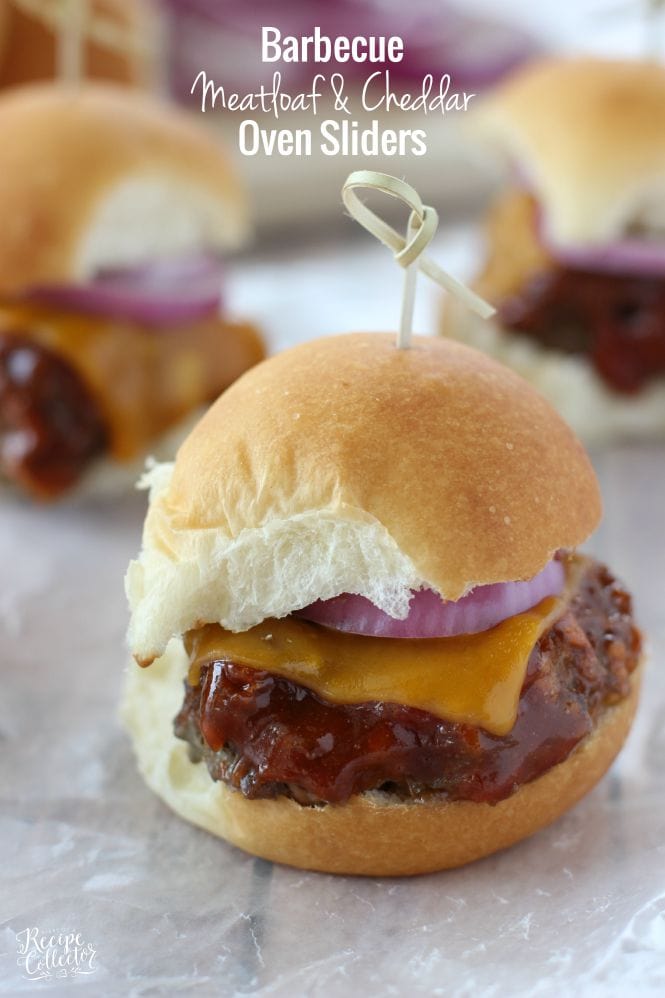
<point>373,834</point>
<point>28,41</point>
<point>104,177</point>
<point>597,414</point>
<point>347,465</point>
<point>585,132</point>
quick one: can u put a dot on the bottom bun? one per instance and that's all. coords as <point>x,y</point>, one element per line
<point>374,834</point>
<point>568,381</point>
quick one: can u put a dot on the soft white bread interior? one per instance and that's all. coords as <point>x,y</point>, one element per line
<point>569,381</point>
<point>347,465</point>
<point>374,833</point>
<point>103,177</point>
<point>589,137</point>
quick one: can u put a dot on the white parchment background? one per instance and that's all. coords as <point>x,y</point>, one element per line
<point>577,910</point>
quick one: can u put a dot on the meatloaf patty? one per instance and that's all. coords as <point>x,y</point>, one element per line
<point>50,426</point>
<point>267,736</point>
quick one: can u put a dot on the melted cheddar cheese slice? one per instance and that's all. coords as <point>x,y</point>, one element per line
<point>473,679</point>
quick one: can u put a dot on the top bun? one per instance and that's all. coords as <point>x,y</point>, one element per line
<point>29,40</point>
<point>348,465</point>
<point>101,177</point>
<point>588,135</point>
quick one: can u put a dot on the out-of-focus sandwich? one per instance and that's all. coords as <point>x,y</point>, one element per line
<point>576,246</point>
<point>113,330</point>
<point>115,39</point>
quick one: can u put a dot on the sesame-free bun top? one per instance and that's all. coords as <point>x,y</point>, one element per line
<point>29,40</point>
<point>101,176</point>
<point>348,465</point>
<point>589,137</point>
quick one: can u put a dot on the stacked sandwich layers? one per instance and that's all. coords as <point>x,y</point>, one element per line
<point>576,247</point>
<point>112,332</point>
<point>337,495</point>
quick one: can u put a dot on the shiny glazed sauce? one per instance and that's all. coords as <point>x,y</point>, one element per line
<point>617,321</point>
<point>50,426</point>
<point>267,736</point>
<point>85,385</point>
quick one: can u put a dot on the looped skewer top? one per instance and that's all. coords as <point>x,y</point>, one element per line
<point>409,251</point>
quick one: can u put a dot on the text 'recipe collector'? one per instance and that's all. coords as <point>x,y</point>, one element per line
<point>342,135</point>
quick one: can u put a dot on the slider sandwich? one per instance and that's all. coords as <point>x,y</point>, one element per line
<point>113,331</point>
<point>114,43</point>
<point>576,243</point>
<point>368,643</point>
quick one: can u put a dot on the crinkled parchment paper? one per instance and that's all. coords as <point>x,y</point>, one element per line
<point>86,848</point>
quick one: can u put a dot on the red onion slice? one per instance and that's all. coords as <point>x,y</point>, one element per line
<point>644,257</point>
<point>159,293</point>
<point>431,617</point>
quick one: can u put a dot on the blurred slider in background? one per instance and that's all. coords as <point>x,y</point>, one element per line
<point>224,40</point>
<point>575,259</point>
<point>114,332</point>
<point>115,44</point>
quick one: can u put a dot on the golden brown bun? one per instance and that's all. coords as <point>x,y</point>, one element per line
<point>105,177</point>
<point>347,465</point>
<point>373,834</point>
<point>588,135</point>
<point>5,15</point>
<point>28,41</point>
